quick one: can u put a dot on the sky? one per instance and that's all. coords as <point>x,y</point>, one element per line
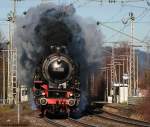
<point>114,15</point>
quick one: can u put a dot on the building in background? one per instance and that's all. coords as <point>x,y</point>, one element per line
<point>23,93</point>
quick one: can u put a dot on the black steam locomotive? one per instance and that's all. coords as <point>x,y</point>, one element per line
<point>56,85</point>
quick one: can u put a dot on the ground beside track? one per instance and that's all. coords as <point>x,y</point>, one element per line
<point>8,116</point>
<point>28,118</point>
<point>130,111</point>
<point>102,122</point>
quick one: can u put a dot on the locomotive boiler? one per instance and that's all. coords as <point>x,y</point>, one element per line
<point>56,84</point>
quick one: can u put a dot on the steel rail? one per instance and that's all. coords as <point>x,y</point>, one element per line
<point>147,124</point>
<point>115,107</point>
<point>122,119</point>
<point>81,123</point>
<point>53,122</point>
<point>58,124</point>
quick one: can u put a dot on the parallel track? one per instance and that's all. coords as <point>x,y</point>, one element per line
<point>122,119</point>
<point>117,108</point>
<point>54,122</point>
<point>70,120</point>
<point>105,115</point>
<point>81,123</point>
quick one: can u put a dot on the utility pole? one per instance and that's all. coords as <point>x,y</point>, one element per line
<point>132,84</point>
<point>14,67</point>
<point>11,91</point>
<point>4,88</point>
<point>113,72</point>
<point>148,55</point>
<point>16,85</point>
<point>106,71</point>
<point>137,74</point>
<point>13,87</point>
<point>107,83</point>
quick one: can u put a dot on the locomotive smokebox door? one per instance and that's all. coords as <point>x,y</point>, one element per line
<point>57,69</point>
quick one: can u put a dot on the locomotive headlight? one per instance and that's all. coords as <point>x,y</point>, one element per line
<point>71,102</point>
<point>43,94</point>
<point>43,101</point>
<point>71,94</point>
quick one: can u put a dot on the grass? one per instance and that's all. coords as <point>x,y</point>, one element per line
<point>26,108</point>
<point>6,108</point>
<point>8,115</point>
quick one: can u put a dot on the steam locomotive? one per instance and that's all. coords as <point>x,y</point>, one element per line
<point>56,85</point>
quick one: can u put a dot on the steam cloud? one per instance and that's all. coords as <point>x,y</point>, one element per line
<point>49,23</point>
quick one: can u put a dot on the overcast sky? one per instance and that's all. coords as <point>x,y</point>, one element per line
<point>111,15</point>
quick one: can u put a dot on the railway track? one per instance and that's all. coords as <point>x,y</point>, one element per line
<point>116,107</point>
<point>121,119</point>
<point>81,123</point>
<point>68,123</point>
<point>54,122</point>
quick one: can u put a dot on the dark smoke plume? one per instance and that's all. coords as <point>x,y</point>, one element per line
<point>49,24</point>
